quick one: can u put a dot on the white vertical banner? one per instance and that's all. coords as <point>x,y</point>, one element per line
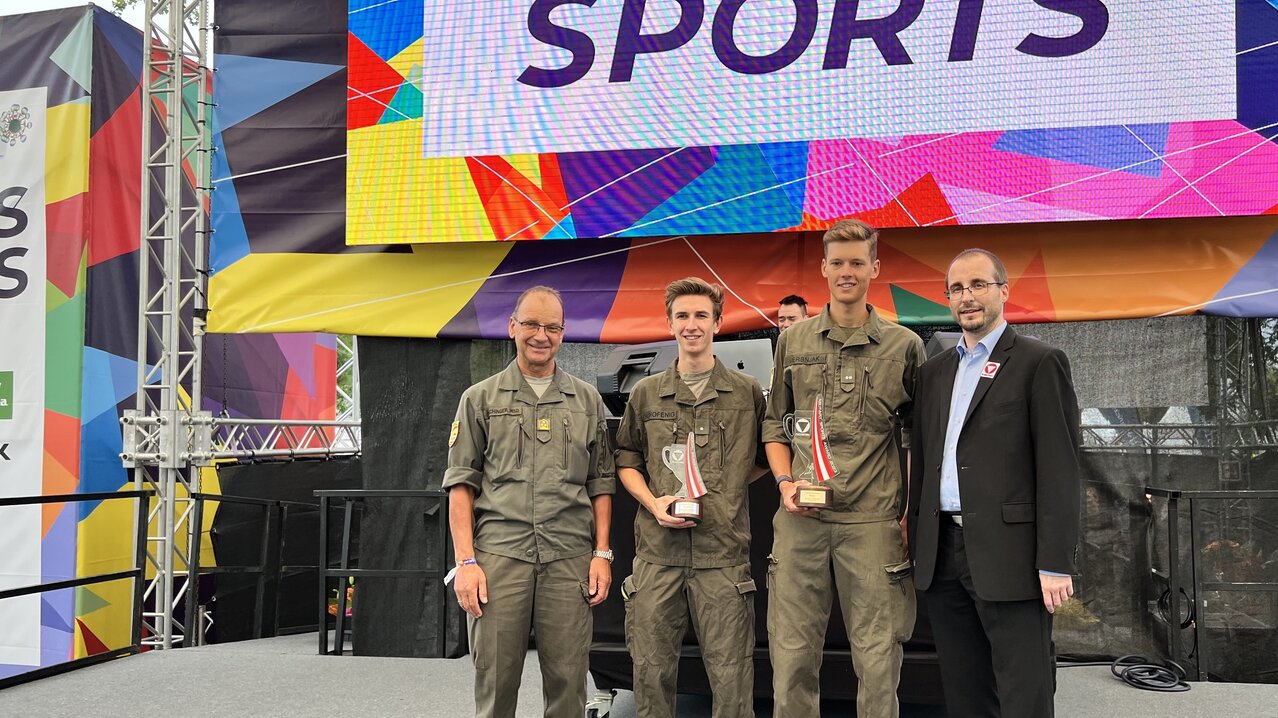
<point>22,332</point>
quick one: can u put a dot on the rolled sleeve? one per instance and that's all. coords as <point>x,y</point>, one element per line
<point>780,399</point>
<point>629,453</point>
<point>602,478</point>
<point>466,454</point>
<point>760,414</point>
<point>914,359</point>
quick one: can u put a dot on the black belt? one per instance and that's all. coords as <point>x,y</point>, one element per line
<point>954,518</point>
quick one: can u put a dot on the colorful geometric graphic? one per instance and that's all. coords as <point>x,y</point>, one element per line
<point>90,63</point>
<point>1181,169</point>
<point>281,262</point>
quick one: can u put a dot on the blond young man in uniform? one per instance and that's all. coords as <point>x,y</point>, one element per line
<point>858,370</point>
<point>683,568</point>
<point>530,481</point>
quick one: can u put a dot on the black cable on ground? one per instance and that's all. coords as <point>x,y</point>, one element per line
<point>1138,672</point>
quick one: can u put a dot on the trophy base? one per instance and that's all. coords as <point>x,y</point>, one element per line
<point>814,497</point>
<point>686,509</point>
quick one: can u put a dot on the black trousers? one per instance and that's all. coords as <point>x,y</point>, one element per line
<point>997,657</point>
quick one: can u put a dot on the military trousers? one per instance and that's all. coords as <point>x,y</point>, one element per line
<point>553,600</point>
<point>720,601</point>
<point>867,564</point>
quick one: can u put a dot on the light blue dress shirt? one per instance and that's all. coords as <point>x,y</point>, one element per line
<point>970,364</point>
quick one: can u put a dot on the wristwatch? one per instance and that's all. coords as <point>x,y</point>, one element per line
<point>605,555</point>
<point>783,478</point>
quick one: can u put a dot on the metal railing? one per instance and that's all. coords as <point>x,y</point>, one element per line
<point>349,498</point>
<point>137,575</point>
<point>270,569</point>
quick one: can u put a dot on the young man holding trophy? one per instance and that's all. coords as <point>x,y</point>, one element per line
<point>688,446</point>
<point>841,381</point>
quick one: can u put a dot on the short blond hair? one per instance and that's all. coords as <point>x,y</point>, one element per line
<point>851,230</point>
<point>694,287</point>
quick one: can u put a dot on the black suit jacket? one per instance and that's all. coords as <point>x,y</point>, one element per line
<point>1018,469</point>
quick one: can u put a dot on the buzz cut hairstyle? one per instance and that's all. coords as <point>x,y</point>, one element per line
<point>694,287</point>
<point>539,289</point>
<point>851,230</point>
<point>1000,272</point>
<point>793,299</point>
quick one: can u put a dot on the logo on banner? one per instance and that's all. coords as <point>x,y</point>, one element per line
<point>14,123</point>
<point>989,370</point>
<point>6,395</point>
<point>822,464</point>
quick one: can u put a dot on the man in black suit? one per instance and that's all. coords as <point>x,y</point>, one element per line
<point>994,501</point>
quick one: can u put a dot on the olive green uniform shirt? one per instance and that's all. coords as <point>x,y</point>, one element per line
<point>866,377</point>
<point>725,422</point>
<point>534,464</point>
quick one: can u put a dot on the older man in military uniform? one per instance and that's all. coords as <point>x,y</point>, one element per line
<point>530,482</point>
<point>849,374</point>
<point>696,421</point>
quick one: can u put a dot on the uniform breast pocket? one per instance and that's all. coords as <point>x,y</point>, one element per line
<point>882,392</point>
<point>508,446</point>
<point>574,434</point>
<point>806,380</point>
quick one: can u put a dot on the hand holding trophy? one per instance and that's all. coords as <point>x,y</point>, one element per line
<point>682,461</point>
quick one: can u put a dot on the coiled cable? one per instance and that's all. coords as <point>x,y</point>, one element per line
<point>1139,672</point>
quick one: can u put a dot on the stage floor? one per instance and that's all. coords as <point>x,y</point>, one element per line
<point>285,677</point>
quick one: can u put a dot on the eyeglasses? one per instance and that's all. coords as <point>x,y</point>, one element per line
<point>978,288</point>
<point>552,330</point>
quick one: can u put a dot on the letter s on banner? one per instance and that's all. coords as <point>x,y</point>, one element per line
<point>1095,17</point>
<point>574,41</point>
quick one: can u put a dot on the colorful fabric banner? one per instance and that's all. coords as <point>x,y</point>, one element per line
<point>88,64</point>
<point>23,128</point>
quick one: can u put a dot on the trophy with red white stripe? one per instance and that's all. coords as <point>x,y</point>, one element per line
<point>818,494</point>
<point>682,461</point>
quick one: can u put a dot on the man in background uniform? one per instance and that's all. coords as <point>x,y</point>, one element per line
<point>530,482</point>
<point>681,567</point>
<point>862,368</point>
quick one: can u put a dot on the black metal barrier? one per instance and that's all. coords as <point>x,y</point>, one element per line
<point>269,570</point>
<point>350,498</point>
<point>1196,614</point>
<point>137,574</point>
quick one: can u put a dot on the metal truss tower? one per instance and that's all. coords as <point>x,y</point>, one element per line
<point>167,437</point>
<point>173,272</point>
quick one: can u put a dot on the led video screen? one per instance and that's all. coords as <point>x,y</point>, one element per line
<point>562,119</point>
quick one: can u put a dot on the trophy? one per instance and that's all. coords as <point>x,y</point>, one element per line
<point>682,461</point>
<point>818,494</point>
